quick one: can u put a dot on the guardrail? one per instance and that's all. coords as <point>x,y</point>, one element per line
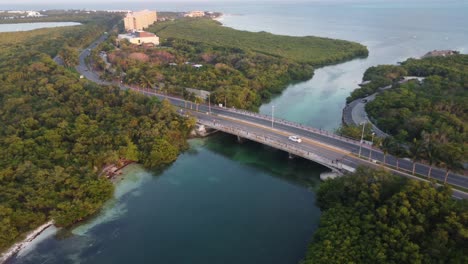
<point>149,91</point>
<point>336,165</point>
<point>260,116</point>
<point>293,124</point>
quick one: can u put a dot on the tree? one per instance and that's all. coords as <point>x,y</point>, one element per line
<point>416,151</point>
<point>373,216</point>
<point>386,146</point>
<point>162,153</point>
<point>452,159</point>
<point>69,56</point>
<point>431,150</point>
<point>395,147</point>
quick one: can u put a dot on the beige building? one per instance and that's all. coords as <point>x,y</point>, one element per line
<point>140,38</point>
<point>440,53</point>
<point>195,14</point>
<point>139,20</point>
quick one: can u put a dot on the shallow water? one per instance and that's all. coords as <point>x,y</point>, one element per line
<point>217,203</point>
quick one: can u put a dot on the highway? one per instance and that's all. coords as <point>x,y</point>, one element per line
<point>326,148</point>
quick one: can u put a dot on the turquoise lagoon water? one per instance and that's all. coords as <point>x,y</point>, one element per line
<point>218,203</point>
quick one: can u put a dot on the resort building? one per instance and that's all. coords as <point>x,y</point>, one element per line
<point>139,20</point>
<point>195,14</point>
<point>140,38</point>
<point>440,53</point>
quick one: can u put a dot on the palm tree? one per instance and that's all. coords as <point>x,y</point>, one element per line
<point>385,145</point>
<point>452,158</point>
<point>399,151</point>
<point>197,100</point>
<point>145,82</point>
<point>431,150</point>
<point>415,151</point>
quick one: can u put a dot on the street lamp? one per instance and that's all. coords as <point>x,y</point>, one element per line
<point>362,138</point>
<point>272,115</point>
<point>209,102</point>
<point>372,146</point>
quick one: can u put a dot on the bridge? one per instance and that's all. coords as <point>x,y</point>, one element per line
<point>338,153</point>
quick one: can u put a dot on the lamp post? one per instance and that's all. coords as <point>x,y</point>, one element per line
<point>362,138</point>
<point>372,146</point>
<point>209,102</point>
<point>272,115</point>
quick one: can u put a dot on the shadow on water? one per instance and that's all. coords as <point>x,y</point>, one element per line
<point>276,162</point>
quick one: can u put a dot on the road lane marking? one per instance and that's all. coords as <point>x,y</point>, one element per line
<point>310,141</point>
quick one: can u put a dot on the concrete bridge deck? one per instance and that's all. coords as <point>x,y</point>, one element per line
<point>326,145</point>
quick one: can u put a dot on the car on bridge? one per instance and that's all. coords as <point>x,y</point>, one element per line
<point>295,139</point>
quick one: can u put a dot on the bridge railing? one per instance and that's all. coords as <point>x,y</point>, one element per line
<point>336,164</point>
<point>262,116</point>
<point>294,124</point>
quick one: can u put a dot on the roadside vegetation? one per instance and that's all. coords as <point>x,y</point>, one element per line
<point>372,216</point>
<point>427,120</point>
<point>58,131</point>
<point>240,68</point>
<point>312,50</point>
<point>378,77</point>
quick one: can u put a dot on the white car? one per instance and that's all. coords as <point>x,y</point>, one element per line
<point>295,139</point>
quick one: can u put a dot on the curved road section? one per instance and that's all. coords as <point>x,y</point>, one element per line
<point>328,149</point>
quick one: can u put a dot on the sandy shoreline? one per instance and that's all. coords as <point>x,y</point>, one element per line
<point>34,235</point>
<point>17,247</point>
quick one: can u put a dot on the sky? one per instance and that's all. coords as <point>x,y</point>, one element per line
<point>52,4</point>
<point>191,1</point>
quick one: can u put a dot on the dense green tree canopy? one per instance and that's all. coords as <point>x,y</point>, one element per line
<point>240,68</point>
<point>374,217</point>
<point>58,131</point>
<point>427,120</point>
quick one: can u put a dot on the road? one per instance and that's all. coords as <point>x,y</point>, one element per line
<point>285,128</point>
<point>327,145</point>
<point>355,113</point>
